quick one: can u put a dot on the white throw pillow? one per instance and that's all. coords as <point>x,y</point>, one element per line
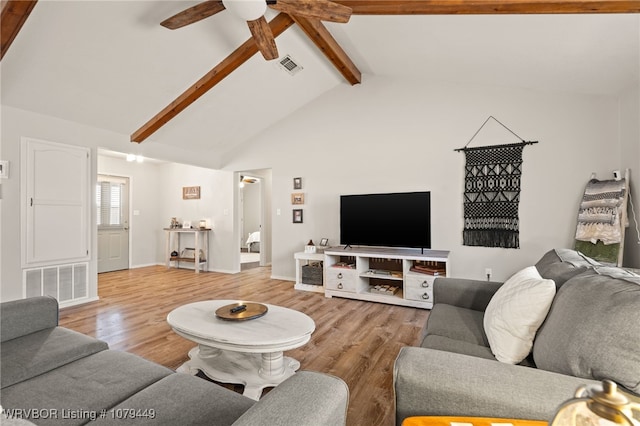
<point>515,312</point>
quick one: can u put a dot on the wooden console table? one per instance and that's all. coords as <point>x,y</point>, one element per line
<point>201,237</point>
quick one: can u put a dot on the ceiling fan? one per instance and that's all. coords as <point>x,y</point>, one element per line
<point>253,11</point>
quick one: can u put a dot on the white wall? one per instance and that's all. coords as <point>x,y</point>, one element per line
<point>630,142</point>
<point>387,135</point>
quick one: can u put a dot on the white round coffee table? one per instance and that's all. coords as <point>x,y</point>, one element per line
<point>246,352</point>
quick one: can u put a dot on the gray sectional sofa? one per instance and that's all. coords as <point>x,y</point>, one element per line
<point>53,375</point>
<point>591,332</point>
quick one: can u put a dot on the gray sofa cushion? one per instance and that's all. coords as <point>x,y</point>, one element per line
<point>457,323</point>
<point>591,329</point>
<point>432,341</point>
<point>561,265</point>
<point>181,399</point>
<point>305,385</point>
<point>26,316</point>
<point>91,384</point>
<point>36,353</point>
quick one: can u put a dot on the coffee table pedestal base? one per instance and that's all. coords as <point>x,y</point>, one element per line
<point>253,370</point>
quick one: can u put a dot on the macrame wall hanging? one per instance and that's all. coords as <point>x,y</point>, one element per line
<point>492,193</point>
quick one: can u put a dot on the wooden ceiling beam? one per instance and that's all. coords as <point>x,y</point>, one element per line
<point>321,37</point>
<point>13,16</point>
<point>472,7</point>
<point>238,57</point>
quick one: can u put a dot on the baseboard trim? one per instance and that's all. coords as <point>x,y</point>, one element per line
<point>282,278</point>
<point>78,302</point>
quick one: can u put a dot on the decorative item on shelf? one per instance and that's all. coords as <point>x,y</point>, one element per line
<point>175,223</point>
<point>203,224</point>
<point>190,253</point>
<point>241,311</point>
<point>186,224</point>
<point>312,273</point>
<point>324,244</point>
<point>384,289</point>
<point>310,247</point>
<point>595,405</point>
<point>174,254</point>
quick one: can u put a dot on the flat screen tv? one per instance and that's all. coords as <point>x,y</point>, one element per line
<point>401,219</point>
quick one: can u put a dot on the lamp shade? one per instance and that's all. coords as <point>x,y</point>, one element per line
<point>597,406</point>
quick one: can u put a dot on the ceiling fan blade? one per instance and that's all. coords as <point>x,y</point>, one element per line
<point>193,14</point>
<point>263,37</point>
<point>324,10</point>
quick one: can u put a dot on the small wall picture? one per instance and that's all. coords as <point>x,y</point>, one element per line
<point>297,215</point>
<point>4,169</point>
<point>297,198</point>
<point>190,192</point>
<point>297,183</point>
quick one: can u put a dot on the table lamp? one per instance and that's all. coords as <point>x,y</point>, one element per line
<point>597,406</point>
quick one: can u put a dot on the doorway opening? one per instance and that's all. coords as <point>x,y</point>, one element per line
<point>250,221</point>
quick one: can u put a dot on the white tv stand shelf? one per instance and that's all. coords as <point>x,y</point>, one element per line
<point>384,275</point>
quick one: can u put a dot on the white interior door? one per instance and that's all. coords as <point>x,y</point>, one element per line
<point>112,201</point>
<point>56,203</point>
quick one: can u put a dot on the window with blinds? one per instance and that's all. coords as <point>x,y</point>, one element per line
<point>109,203</point>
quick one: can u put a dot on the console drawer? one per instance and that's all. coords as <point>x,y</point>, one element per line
<point>341,279</point>
<point>420,294</point>
<point>419,281</point>
<point>419,287</point>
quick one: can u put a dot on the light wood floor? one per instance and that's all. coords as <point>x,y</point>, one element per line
<point>356,341</point>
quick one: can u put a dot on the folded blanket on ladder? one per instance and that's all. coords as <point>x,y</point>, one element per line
<point>600,211</point>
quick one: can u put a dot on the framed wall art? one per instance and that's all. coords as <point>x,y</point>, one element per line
<point>297,183</point>
<point>190,192</point>
<point>297,198</point>
<point>4,169</point>
<point>297,215</point>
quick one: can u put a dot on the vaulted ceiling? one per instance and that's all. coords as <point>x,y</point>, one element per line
<point>111,65</point>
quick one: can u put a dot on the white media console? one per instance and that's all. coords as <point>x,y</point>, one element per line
<point>386,275</point>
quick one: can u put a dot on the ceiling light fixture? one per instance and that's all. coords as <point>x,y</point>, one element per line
<point>133,157</point>
<point>248,10</point>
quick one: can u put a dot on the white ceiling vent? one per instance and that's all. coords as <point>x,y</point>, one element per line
<point>289,65</point>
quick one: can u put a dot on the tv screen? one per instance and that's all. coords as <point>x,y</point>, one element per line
<point>400,219</point>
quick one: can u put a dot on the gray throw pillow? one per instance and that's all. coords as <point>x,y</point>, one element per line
<point>562,264</point>
<point>592,330</point>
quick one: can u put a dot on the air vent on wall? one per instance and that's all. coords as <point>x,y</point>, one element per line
<point>66,283</point>
<point>289,65</point>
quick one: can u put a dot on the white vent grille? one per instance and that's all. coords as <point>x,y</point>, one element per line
<point>290,66</point>
<point>66,283</point>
